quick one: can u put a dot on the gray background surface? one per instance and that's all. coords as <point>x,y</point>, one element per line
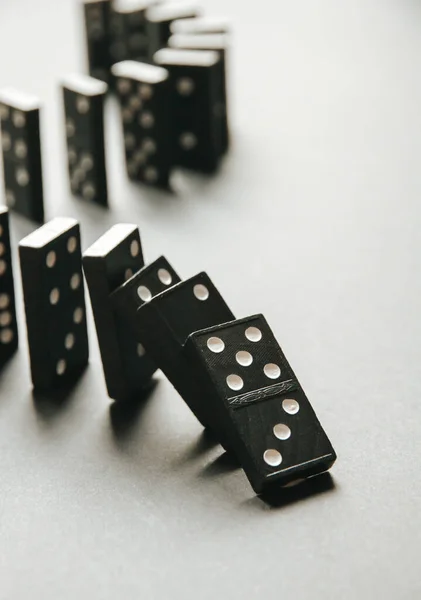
<point>313,220</point>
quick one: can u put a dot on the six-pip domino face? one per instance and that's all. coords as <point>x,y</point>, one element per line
<point>21,147</point>
<point>51,268</point>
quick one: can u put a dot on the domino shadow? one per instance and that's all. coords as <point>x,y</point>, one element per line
<point>224,464</point>
<point>124,415</point>
<point>285,496</point>
<point>50,404</point>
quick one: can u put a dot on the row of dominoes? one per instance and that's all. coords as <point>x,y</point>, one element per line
<point>231,372</point>
<point>117,31</point>
<point>174,114</point>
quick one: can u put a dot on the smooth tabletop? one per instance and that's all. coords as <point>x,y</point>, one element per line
<point>313,220</point>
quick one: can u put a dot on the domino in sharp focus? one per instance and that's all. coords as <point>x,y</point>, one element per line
<point>21,146</point>
<point>259,402</point>
<point>220,44</point>
<point>195,77</point>
<point>97,30</point>
<point>159,19</point>
<point>8,325</point>
<point>163,324</point>
<point>109,265</point>
<point>51,268</point>
<point>83,100</point>
<point>144,93</point>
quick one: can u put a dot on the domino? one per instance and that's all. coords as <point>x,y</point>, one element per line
<point>97,14</point>
<point>8,325</point>
<point>83,100</point>
<point>219,43</point>
<point>163,324</point>
<point>259,403</point>
<point>144,96</point>
<point>128,31</point>
<point>21,146</point>
<point>195,95</point>
<point>159,20</point>
<point>54,298</point>
<point>200,25</point>
<point>109,265</point>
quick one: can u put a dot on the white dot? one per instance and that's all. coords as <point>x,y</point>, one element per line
<point>164,276</point>
<point>146,120</point>
<point>140,158</point>
<point>201,292</point>
<point>149,146</point>
<point>6,141</point>
<point>185,86</point>
<point>6,336</point>
<point>51,259</point>
<point>82,105</point>
<point>128,115</point>
<point>22,176</point>
<point>135,102</point>
<point>244,358</point>
<point>124,86</point>
<point>253,334</point>
<point>4,112</point>
<point>188,140</point>
<point>88,190</point>
<point>129,141</point>
<point>5,318</point>
<point>21,149</point>
<point>70,128</point>
<point>146,91</point>
<point>54,296</point>
<point>144,293</point>
<point>272,371</point>
<point>71,244</point>
<point>69,341</point>
<point>10,198</point>
<point>235,382</point>
<point>134,248</point>
<point>86,161</point>
<point>4,301</point>
<point>151,174</point>
<point>78,315</point>
<point>128,274</point>
<point>75,281</point>
<point>141,350</point>
<point>281,431</point>
<point>3,267</point>
<point>272,457</point>
<point>19,119</point>
<point>215,344</point>
<point>290,406</point>
<point>61,367</point>
<point>72,155</point>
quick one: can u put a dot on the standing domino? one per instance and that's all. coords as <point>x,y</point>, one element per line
<point>219,43</point>
<point>54,298</point>
<point>21,145</point>
<point>258,403</point>
<point>108,264</point>
<point>97,29</point>
<point>200,25</point>
<point>144,92</point>
<point>195,78</point>
<point>128,31</point>
<point>159,19</point>
<point>83,99</point>
<point>8,325</point>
